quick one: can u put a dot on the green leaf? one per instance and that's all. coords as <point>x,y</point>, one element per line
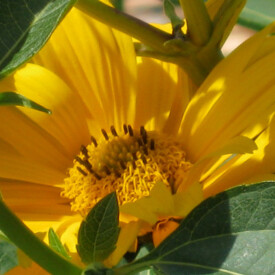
<point>56,244</point>
<point>99,232</point>
<point>25,27</point>
<point>257,14</point>
<point>143,252</point>
<point>231,233</point>
<point>11,98</point>
<point>3,237</point>
<point>8,256</point>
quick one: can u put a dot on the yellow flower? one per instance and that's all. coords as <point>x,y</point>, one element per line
<point>159,137</point>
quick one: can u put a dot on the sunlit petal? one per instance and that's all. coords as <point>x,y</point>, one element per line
<point>236,94</point>
<point>92,60</point>
<point>244,168</point>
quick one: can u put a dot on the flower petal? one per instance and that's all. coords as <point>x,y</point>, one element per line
<point>163,92</point>
<point>19,168</point>
<point>209,163</point>
<point>34,269</point>
<point>188,199</point>
<point>223,107</point>
<point>34,201</point>
<point>163,230</point>
<point>246,168</point>
<point>93,59</point>
<point>50,139</point>
<point>149,208</point>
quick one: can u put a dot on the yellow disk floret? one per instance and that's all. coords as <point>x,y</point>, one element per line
<point>130,164</point>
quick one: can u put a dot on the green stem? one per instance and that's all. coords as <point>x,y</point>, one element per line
<point>136,28</point>
<point>159,44</point>
<point>229,9</point>
<point>189,64</point>
<point>209,57</point>
<point>24,239</point>
<point>193,68</point>
<point>198,21</point>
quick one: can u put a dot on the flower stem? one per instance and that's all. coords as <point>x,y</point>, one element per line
<point>24,239</point>
<point>223,20</point>
<point>198,21</point>
<point>190,64</point>
<point>193,69</point>
<point>161,45</point>
<point>136,28</point>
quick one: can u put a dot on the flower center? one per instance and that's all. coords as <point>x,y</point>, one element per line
<point>129,163</point>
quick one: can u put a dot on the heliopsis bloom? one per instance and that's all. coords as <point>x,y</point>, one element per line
<point>136,126</point>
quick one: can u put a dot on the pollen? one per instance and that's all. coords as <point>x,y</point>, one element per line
<point>129,162</point>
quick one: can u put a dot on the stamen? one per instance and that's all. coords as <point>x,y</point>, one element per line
<point>145,150</point>
<point>94,141</point>
<point>118,175</point>
<point>105,134</point>
<point>170,179</point>
<point>125,129</point>
<point>152,144</point>
<point>113,130</point>
<point>85,163</point>
<point>140,143</point>
<point>107,170</point>
<point>81,171</point>
<point>143,159</point>
<point>130,129</point>
<point>143,133</point>
<point>122,164</point>
<point>78,159</point>
<point>98,177</point>
<point>129,164</point>
<point>84,151</point>
<point>88,166</point>
<point>134,154</point>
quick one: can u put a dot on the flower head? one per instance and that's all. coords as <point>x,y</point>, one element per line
<point>133,125</point>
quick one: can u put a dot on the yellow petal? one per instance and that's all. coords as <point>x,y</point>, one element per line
<point>246,168</point>
<point>149,208</point>
<point>16,167</point>
<point>236,94</point>
<point>160,95</point>
<point>205,166</point>
<point>34,201</point>
<point>163,230</point>
<point>91,58</point>
<point>34,269</point>
<point>185,90</point>
<point>187,200</point>
<point>50,139</point>
<point>65,227</point>
<point>237,145</point>
<point>260,178</point>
